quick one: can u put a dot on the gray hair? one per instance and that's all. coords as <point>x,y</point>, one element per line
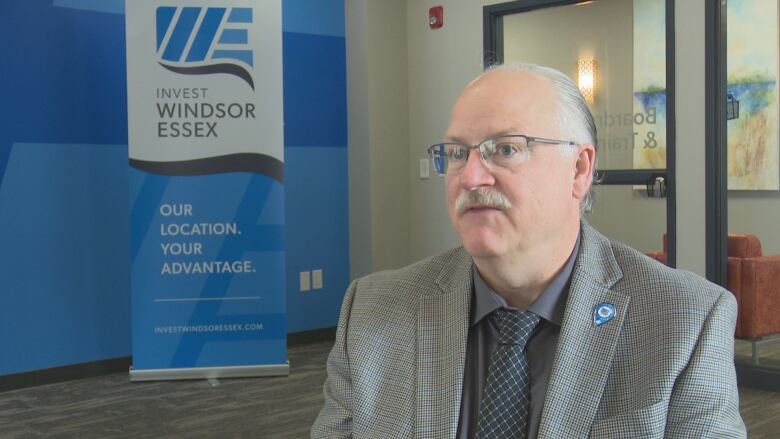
<point>574,117</point>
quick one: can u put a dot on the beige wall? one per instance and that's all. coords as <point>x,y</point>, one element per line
<point>360,249</point>
<point>378,135</point>
<point>690,143</point>
<point>757,213</point>
<point>441,63</point>
<point>413,223</point>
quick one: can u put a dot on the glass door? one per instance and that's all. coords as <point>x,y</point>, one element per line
<point>619,53</point>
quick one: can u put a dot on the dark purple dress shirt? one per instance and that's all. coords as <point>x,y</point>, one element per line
<point>483,335</point>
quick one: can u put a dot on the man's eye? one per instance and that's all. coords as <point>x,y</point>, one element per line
<point>507,149</point>
<point>459,153</point>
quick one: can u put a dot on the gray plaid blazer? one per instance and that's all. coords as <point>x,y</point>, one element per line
<point>663,367</point>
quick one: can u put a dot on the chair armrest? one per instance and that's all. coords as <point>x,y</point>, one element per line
<point>760,296</point>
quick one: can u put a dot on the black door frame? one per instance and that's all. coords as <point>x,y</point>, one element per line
<point>716,177</point>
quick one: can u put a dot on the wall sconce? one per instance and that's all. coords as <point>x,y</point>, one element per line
<point>586,78</point>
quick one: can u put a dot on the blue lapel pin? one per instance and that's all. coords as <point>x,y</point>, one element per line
<point>603,313</point>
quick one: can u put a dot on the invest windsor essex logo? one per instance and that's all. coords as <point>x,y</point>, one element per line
<point>203,41</point>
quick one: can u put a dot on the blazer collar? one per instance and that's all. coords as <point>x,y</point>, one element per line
<point>584,354</point>
<point>583,357</point>
<point>443,318</point>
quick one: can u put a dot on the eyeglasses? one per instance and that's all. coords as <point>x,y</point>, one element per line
<point>506,151</point>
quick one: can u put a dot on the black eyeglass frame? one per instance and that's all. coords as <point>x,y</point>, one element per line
<point>441,168</point>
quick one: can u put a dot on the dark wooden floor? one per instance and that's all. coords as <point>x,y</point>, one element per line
<point>111,407</point>
<point>283,407</point>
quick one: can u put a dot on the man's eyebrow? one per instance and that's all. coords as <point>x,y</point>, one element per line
<point>505,133</point>
<point>457,139</point>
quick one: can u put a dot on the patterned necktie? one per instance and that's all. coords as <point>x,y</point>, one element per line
<point>504,410</point>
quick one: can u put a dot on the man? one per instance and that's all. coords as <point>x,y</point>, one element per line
<point>538,326</point>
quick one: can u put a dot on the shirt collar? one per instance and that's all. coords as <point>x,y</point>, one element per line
<point>549,305</point>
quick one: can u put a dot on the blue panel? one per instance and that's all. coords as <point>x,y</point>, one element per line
<point>315,91</point>
<point>204,38</point>
<point>181,34</point>
<point>271,214</point>
<point>317,233</point>
<point>164,17</point>
<point>241,55</point>
<point>110,6</point>
<point>165,298</point>
<point>240,15</point>
<point>64,262</point>
<point>322,17</point>
<point>66,247</point>
<point>144,205</point>
<point>234,36</point>
<point>69,82</point>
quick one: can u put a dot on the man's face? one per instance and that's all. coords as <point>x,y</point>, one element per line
<point>543,190</point>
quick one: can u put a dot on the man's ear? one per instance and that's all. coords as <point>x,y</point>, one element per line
<point>583,170</point>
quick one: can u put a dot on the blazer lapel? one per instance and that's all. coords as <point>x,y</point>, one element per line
<point>442,335</point>
<point>584,354</point>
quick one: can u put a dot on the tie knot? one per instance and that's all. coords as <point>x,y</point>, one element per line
<point>515,326</point>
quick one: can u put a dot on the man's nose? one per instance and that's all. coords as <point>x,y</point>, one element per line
<point>476,172</point>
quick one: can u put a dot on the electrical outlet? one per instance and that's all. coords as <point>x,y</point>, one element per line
<point>316,279</point>
<point>305,281</point>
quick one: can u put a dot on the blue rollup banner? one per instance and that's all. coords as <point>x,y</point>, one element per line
<point>206,189</point>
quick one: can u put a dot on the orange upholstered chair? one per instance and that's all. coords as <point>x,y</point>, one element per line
<point>754,279</point>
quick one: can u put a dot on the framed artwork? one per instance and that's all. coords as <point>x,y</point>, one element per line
<point>752,69</point>
<point>649,93</point>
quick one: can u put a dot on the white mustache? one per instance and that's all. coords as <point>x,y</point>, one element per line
<point>483,197</point>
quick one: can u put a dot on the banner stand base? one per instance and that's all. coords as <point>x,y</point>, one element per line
<point>196,373</point>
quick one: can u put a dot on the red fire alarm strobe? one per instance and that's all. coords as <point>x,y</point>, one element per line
<point>436,17</point>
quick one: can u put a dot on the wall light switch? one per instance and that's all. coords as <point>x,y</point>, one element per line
<point>305,281</point>
<point>316,279</point>
<point>425,169</point>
